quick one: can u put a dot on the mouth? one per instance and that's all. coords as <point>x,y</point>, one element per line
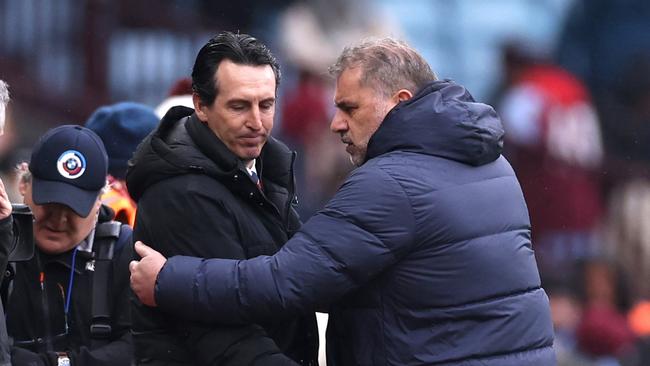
<point>53,230</point>
<point>349,145</point>
<point>252,139</point>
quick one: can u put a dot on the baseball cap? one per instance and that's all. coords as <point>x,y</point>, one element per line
<point>69,166</point>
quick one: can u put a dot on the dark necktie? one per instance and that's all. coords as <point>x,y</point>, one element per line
<point>256,180</point>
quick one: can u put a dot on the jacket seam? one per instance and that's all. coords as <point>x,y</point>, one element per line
<point>525,291</point>
<point>526,228</point>
<point>495,355</point>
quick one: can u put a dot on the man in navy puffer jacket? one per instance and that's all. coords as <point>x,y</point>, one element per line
<point>423,256</point>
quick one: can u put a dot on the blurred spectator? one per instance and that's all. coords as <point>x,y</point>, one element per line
<point>554,144</point>
<point>304,112</point>
<point>626,130</point>
<point>566,311</point>
<point>121,127</point>
<point>312,33</point>
<point>179,94</point>
<point>603,331</point>
<point>321,165</point>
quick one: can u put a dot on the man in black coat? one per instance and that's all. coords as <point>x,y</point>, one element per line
<point>217,173</point>
<point>69,304</point>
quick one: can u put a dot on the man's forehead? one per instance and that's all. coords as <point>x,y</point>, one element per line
<point>349,88</point>
<point>245,81</point>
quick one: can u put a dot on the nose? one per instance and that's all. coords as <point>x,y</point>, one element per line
<point>254,120</point>
<point>339,124</point>
<point>58,213</point>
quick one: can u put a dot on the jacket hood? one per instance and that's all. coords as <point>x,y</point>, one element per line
<point>442,120</point>
<point>164,153</point>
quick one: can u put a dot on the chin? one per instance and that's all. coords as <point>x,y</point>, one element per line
<point>50,246</point>
<point>250,154</point>
<point>356,160</point>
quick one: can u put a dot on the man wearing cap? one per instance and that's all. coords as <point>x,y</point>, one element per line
<point>69,305</point>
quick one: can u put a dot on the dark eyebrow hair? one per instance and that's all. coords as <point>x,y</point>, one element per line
<point>244,100</point>
<point>344,104</point>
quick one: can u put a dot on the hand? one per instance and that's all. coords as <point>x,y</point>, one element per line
<point>145,272</point>
<point>5,204</point>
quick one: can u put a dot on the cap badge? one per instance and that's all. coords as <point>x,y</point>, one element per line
<point>71,164</point>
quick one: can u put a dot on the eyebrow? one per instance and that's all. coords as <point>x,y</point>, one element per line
<point>248,101</point>
<point>342,104</point>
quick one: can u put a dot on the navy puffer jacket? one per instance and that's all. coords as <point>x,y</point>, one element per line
<point>423,256</point>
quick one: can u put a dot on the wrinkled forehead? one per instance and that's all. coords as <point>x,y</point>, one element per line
<point>350,86</point>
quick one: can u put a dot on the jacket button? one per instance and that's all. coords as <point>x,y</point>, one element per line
<point>235,177</point>
<point>261,203</point>
<point>251,195</point>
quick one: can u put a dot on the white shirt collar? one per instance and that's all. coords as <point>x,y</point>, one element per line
<point>251,170</point>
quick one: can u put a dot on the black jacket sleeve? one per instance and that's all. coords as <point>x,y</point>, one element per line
<point>187,216</point>
<point>6,240</point>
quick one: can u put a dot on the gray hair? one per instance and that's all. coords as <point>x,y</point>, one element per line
<point>4,93</point>
<point>387,65</point>
<point>25,177</point>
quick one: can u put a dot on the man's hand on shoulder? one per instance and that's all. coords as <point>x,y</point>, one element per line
<point>145,272</point>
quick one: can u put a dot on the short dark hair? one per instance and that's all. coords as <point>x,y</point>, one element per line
<point>241,49</point>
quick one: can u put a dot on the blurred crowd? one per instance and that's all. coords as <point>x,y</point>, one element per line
<point>577,119</point>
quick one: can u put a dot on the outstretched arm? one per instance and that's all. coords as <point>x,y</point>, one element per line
<point>364,229</point>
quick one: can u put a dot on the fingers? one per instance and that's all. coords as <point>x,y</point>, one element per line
<point>142,281</point>
<point>132,266</point>
<point>142,249</point>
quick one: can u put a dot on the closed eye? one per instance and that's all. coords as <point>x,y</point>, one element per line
<point>238,106</point>
<point>347,108</point>
<point>267,105</point>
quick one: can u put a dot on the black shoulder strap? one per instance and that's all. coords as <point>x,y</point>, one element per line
<point>109,238</point>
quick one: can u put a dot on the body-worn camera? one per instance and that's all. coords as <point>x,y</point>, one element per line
<point>22,248</point>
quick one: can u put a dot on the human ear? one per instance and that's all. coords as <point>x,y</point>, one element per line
<point>199,107</point>
<point>402,95</point>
